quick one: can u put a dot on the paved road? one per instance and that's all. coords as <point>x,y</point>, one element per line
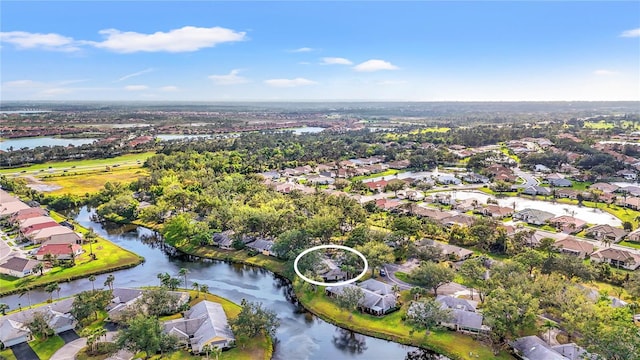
<point>529,179</point>
<point>451,288</point>
<point>392,279</point>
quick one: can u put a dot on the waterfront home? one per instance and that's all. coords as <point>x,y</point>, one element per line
<point>262,246</point>
<point>59,251</point>
<point>124,298</point>
<point>330,271</point>
<point>604,187</point>
<point>27,213</point>
<point>533,216</point>
<point>17,266</point>
<point>204,324</point>
<point>223,239</point>
<point>496,212</point>
<point>379,298</point>
<point>464,317</point>
<point>534,348</point>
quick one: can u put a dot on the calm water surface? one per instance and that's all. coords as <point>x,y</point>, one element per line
<point>301,334</point>
<point>19,143</point>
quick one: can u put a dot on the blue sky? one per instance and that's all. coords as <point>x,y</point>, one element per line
<point>408,51</point>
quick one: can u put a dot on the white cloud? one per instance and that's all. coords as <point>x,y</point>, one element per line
<point>129,76</point>
<point>51,41</point>
<point>136,87</point>
<point>231,78</point>
<point>392,82</point>
<point>631,33</point>
<point>604,72</point>
<point>302,50</point>
<point>336,61</point>
<point>284,83</point>
<point>169,88</point>
<point>22,84</point>
<point>185,39</point>
<point>374,65</point>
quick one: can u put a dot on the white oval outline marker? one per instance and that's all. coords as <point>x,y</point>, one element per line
<point>340,283</point>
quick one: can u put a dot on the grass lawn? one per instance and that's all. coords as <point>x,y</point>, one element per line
<point>581,185</point>
<point>598,125</point>
<point>80,164</point>
<point>631,244</point>
<point>391,327</point>
<point>7,354</point>
<point>90,182</point>
<point>389,172</point>
<point>45,349</point>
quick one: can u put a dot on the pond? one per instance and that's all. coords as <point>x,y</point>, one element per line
<point>32,142</point>
<point>301,335</point>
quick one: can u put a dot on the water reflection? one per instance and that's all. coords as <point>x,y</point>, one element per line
<point>349,341</point>
<point>300,336</point>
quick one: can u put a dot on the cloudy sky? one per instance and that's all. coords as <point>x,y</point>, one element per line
<point>413,51</point>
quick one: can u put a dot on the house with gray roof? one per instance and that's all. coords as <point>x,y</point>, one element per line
<point>618,258</point>
<point>18,267</point>
<point>379,298</point>
<point>464,317</point>
<point>537,190</point>
<point>262,246</point>
<point>204,324</point>
<point>573,352</point>
<point>605,232</point>
<point>223,239</point>
<point>14,330</point>
<point>124,298</point>
<point>449,251</point>
<point>534,348</point>
<point>533,216</point>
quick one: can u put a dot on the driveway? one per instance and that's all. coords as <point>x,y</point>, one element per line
<point>24,352</point>
<point>69,351</point>
<point>391,278</point>
<point>529,179</point>
<point>69,336</point>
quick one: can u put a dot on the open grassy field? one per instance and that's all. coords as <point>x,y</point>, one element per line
<point>129,159</point>
<point>46,349</point>
<point>90,182</point>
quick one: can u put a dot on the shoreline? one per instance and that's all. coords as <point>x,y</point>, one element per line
<point>276,266</point>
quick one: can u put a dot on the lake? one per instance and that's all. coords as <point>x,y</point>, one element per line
<point>32,142</point>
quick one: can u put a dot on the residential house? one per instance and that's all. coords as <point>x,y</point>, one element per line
<point>634,236</point>
<point>320,180</point>
<point>534,348</point>
<point>536,237</point>
<point>475,178</point>
<point>123,298</point>
<point>59,251</point>
<point>567,193</point>
<point>262,246</point>
<point>433,214</point>
<point>378,299</point>
<point>331,272</point>
<point>627,174</point>
<point>204,324</point>
<point>629,190</point>
<point>460,220</point>
<point>388,204</point>
<point>17,266</point>
<point>43,235</point>
<point>450,252</point>
<point>27,213</point>
<point>26,231</point>
<point>14,330</point>
<point>573,246</point>
<point>270,175</point>
<point>537,190</point>
<point>447,179</point>
<point>604,187</point>
<point>568,224</point>
<point>223,239</point>
<point>67,238</point>
<point>497,212</point>
<point>464,317</point>
<point>533,216</point>
<point>414,195</point>
<point>560,183</point>
<point>541,168</point>
<point>399,164</point>
<point>631,202</point>
<point>26,223</point>
<point>573,352</point>
<point>618,258</point>
<point>10,208</point>
<point>467,204</point>
<point>607,233</point>
<point>376,186</point>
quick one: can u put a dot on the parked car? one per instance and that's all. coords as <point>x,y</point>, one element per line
<point>383,272</point>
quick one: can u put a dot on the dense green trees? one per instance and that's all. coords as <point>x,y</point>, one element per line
<point>431,275</point>
<point>253,320</point>
<point>144,333</point>
<point>426,314</point>
<point>377,254</point>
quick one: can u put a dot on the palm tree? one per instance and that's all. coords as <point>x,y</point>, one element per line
<point>39,267</point>
<point>50,289</point>
<point>204,288</point>
<point>92,278</point>
<point>195,286</point>
<point>183,272</point>
<point>3,308</point>
<point>58,288</point>
<point>548,325</point>
<point>216,351</point>
<point>109,281</point>
<point>100,332</point>
<point>26,291</point>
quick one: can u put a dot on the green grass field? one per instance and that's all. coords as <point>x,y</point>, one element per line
<point>46,349</point>
<point>598,125</point>
<point>80,164</point>
<point>90,182</point>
